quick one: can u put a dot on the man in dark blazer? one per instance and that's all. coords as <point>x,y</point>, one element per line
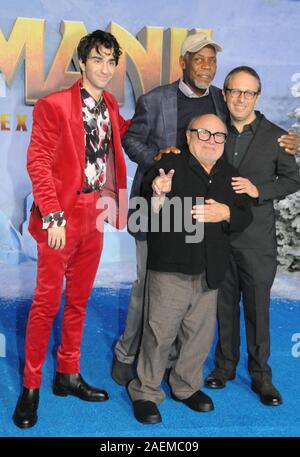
<point>268,173</point>
<point>74,155</point>
<point>160,120</point>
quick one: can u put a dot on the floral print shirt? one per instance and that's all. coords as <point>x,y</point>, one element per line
<point>97,128</point>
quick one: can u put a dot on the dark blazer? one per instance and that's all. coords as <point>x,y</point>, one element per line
<point>276,174</point>
<point>154,126</point>
<point>169,251</point>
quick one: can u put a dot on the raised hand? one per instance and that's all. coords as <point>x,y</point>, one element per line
<point>162,184</point>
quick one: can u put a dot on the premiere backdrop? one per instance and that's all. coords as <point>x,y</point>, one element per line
<point>38,39</point>
<point>37,55</point>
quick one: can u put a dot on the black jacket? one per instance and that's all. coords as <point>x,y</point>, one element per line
<point>275,174</point>
<point>169,251</point>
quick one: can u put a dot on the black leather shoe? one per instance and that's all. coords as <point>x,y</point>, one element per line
<point>25,414</point>
<point>146,412</point>
<point>216,381</point>
<point>269,395</point>
<point>74,384</point>
<point>122,373</point>
<point>199,402</point>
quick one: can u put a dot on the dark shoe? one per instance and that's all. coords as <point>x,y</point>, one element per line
<point>74,384</point>
<point>122,373</point>
<point>269,395</point>
<point>199,402</point>
<point>217,381</point>
<point>25,414</point>
<point>146,412</point>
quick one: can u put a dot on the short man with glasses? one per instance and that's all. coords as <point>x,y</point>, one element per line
<point>74,157</point>
<point>265,173</point>
<point>186,265</point>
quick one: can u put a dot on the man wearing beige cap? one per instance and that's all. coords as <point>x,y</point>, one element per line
<point>160,120</point>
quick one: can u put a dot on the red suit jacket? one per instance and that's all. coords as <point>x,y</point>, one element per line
<point>56,157</point>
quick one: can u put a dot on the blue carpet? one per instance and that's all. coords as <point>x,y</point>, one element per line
<point>238,411</point>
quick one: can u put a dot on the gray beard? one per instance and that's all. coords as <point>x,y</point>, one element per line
<point>201,86</point>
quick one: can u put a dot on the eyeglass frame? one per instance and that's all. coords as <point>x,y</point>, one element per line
<point>248,94</point>
<point>210,135</point>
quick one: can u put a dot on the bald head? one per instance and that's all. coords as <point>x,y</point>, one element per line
<point>206,136</point>
<point>208,119</point>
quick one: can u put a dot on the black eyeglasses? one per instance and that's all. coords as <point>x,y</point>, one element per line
<point>236,93</point>
<point>204,135</point>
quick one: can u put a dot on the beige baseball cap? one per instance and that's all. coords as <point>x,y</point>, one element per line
<point>197,41</point>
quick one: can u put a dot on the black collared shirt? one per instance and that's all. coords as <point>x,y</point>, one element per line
<point>238,143</point>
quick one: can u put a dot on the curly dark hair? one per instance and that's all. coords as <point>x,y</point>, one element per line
<point>95,40</point>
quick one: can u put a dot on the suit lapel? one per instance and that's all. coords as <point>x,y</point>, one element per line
<point>169,110</point>
<point>112,113</point>
<point>76,124</point>
<point>111,171</point>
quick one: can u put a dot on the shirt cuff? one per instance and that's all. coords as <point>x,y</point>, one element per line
<point>54,220</point>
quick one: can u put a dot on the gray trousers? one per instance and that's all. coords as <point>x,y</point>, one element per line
<point>128,345</point>
<point>176,306</point>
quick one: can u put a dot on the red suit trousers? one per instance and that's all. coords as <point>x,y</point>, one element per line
<point>78,262</point>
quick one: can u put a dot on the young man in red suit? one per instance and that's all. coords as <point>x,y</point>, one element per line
<point>75,153</point>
